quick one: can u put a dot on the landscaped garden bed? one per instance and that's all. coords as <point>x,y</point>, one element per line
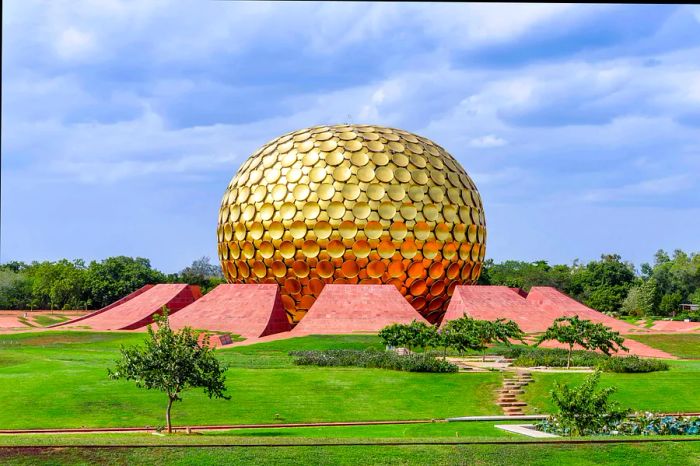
<point>524,356</point>
<point>371,358</point>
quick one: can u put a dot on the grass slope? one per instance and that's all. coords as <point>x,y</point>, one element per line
<point>683,345</point>
<point>59,379</point>
<point>665,391</point>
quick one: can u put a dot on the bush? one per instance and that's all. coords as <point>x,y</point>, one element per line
<point>557,357</point>
<point>583,410</point>
<point>632,364</point>
<point>651,424</point>
<point>373,359</point>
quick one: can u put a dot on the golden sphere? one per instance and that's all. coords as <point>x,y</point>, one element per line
<point>353,204</point>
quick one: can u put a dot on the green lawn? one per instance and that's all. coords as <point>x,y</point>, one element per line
<point>59,379</point>
<point>665,391</point>
<point>46,320</point>
<point>672,453</point>
<point>685,346</point>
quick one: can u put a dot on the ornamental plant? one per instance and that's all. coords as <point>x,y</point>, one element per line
<point>583,410</point>
<point>172,362</point>
<point>414,335</point>
<point>591,336</point>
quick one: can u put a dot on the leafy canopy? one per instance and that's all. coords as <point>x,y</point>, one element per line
<point>172,362</point>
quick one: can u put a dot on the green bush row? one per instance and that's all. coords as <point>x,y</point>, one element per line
<point>556,357</point>
<point>373,358</point>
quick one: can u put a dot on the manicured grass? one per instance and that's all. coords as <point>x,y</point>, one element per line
<point>683,345</point>
<point>667,391</point>
<point>59,379</point>
<point>480,430</point>
<point>536,454</point>
<point>46,320</point>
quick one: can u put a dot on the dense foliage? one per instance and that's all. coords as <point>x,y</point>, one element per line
<point>466,333</point>
<point>372,358</point>
<point>525,356</point>
<point>172,362</point>
<point>75,285</point>
<point>411,336</point>
<point>583,410</point>
<point>652,424</point>
<point>585,333</point>
<point>609,285</point>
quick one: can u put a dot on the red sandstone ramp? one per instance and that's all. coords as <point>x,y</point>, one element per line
<point>342,309</point>
<point>497,302</point>
<point>251,311</point>
<point>138,311</point>
<point>550,299</point>
<point>533,312</point>
<point>116,303</point>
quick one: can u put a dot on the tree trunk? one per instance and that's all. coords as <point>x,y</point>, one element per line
<point>568,359</point>
<point>167,415</point>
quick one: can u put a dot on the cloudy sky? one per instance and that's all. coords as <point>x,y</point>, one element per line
<point>122,122</point>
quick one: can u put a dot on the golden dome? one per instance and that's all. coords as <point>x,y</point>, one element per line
<point>353,204</point>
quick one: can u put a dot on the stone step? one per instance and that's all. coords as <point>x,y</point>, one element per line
<point>509,404</point>
<point>511,391</point>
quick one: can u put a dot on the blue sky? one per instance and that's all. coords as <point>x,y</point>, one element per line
<point>124,121</point>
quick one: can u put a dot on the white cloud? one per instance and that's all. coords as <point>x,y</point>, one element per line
<point>73,43</point>
<point>488,141</point>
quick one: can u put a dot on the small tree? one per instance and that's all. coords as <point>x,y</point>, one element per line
<point>414,335</point>
<point>172,362</point>
<point>459,335</point>
<point>591,336</point>
<point>467,333</point>
<point>583,410</point>
<point>395,335</point>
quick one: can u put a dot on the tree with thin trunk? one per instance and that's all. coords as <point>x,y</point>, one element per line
<point>172,362</point>
<point>590,336</point>
<point>466,333</point>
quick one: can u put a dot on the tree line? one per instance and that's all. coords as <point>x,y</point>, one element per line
<point>609,284</point>
<point>66,284</point>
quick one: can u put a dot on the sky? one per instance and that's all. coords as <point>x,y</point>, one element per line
<point>123,122</point>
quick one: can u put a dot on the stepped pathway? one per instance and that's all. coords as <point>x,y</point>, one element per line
<point>508,393</point>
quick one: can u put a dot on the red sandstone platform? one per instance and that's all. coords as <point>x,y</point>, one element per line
<point>137,309</point>
<point>636,348</point>
<point>343,309</point>
<point>251,311</point>
<point>671,326</point>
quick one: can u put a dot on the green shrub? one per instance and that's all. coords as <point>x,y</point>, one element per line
<point>372,358</point>
<point>583,410</point>
<point>632,364</point>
